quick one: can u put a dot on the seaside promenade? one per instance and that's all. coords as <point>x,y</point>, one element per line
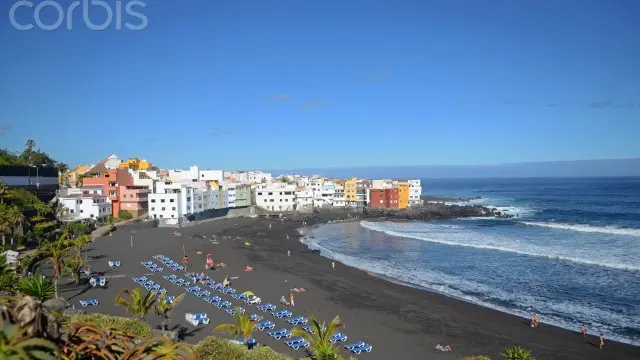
<point>393,318</point>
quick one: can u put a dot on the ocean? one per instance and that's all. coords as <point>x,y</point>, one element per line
<point>572,254</point>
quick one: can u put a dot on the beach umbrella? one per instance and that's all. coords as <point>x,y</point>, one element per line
<point>209,254</point>
<point>249,293</point>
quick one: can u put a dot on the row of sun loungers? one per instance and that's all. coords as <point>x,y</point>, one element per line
<point>114,263</point>
<point>85,303</point>
<point>198,319</point>
<point>151,266</point>
<point>169,263</point>
<point>97,282</point>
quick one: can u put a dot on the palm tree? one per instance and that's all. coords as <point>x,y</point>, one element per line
<point>4,189</point>
<point>165,309</point>
<point>243,327</point>
<point>160,348</point>
<point>136,303</point>
<point>56,252</point>
<point>30,145</point>
<point>14,217</point>
<point>319,343</point>
<point>517,353</point>
<point>74,265</point>
<point>10,217</point>
<point>36,286</point>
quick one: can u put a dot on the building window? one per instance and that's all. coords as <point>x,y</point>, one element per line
<point>160,216</point>
<point>173,208</point>
<point>171,200</point>
<point>161,200</point>
<point>153,209</point>
<point>162,209</point>
<point>153,200</point>
<point>188,199</point>
<point>81,211</point>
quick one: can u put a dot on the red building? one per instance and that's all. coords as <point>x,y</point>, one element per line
<point>384,198</point>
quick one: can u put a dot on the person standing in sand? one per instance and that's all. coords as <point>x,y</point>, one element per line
<point>291,300</point>
<point>289,253</point>
<point>583,330</point>
<point>601,341</point>
<point>269,226</point>
<point>333,265</point>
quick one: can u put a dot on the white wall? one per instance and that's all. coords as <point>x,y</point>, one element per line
<point>276,197</point>
<point>304,198</point>
<point>259,176</point>
<point>415,190</point>
<point>86,207</point>
<point>209,175</point>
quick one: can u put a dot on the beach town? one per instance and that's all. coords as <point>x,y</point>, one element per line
<point>199,256</point>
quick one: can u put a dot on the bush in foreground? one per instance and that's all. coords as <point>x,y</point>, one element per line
<point>127,325</point>
<point>213,348</point>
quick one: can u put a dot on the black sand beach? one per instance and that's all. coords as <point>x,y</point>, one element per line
<point>395,319</point>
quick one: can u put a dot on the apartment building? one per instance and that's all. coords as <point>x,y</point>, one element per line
<point>350,191</point>
<point>276,197</point>
<point>256,177</point>
<point>384,198</point>
<point>363,188</point>
<point>84,203</point>
<point>415,191</point>
<point>338,196</point>
<point>173,201</point>
<point>243,195</point>
<point>111,180</point>
<point>304,198</point>
<point>134,199</point>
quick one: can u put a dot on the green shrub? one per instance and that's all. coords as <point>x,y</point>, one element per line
<point>128,325</point>
<point>36,286</point>
<point>517,353</point>
<point>213,348</point>
<point>125,215</point>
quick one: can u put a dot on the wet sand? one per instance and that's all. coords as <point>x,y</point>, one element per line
<point>392,317</point>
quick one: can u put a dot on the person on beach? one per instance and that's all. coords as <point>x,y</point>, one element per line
<point>287,236</point>
<point>289,253</point>
<point>185,262</point>
<point>533,320</point>
<point>333,265</point>
<point>269,226</point>
<point>291,300</point>
<point>583,330</point>
<point>601,341</point>
<point>209,264</point>
<point>537,317</point>
<point>226,281</point>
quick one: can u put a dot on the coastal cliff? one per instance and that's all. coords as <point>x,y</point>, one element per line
<point>435,211</point>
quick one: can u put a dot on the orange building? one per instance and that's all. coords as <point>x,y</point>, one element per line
<point>403,196</point>
<point>111,180</point>
<point>385,198</point>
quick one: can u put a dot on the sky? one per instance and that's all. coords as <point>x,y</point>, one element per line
<point>312,84</point>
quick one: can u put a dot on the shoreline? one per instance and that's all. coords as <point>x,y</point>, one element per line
<point>381,312</point>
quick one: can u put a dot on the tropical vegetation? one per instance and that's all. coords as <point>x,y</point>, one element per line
<point>164,308</point>
<point>319,344</point>
<point>135,302</point>
<point>243,327</point>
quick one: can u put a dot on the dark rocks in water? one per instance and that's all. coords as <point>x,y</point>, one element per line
<point>435,211</point>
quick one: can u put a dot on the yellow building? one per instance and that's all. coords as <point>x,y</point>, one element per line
<point>350,189</point>
<point>74,175</point>
<point>135,164</point>
<point>403,196</point>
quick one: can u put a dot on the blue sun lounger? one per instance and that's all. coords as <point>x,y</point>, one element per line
<point>213,299</point>
<point>337,337</point>
<point>155,269</point>
<point>152,287</point>
<point>161,291</point>
<point>282,333</point>
<point>114,263</point>
<point>147,283</point>
<point>282,313</point>
<point>139,279</point>
<point>355,345</point>
<point>239,296</point>
<point>234,311</point>
<point>293,341</point>
<point>222,304</point>
<point>266,307</point>
<point>193,289</point>
<point>363,348</point>
<point>184,283</point>
<point>146,263</point>
<point>255,317</point>
<point>217,286</point>
<point>85,303</point>
<point>169,299</point>
<point>298,345</point>
<point>298,320</point>
<point>228,290</point>
<point>266,325</point>
<point>202,293</point>
<point>170,277</point>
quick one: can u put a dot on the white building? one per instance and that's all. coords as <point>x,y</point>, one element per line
<point>211,175</point>
<point>84,203</point>
<point>276,197</point>
<point>111,162</point>
<point>323,197</point>
<point>256,177</point>
<point>146,178</point>
<point>381,184</point>
<point>230,189</point>
<point>174,201</point>
<point>338,196</point>
<point>304,198</point>
<point>415,190</point>
<point>240,177</point>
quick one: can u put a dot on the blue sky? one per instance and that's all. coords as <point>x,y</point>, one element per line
<point>300,84</point>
